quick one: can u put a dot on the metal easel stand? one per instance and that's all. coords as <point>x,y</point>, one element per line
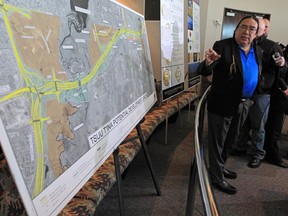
<point>118,173</point>
<point>119,180</point>
<point>147,156</point>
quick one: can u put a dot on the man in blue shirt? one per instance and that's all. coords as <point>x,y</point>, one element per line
<point>235,64</point>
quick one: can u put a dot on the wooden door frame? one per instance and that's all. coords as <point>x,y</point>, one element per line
<point>231,17</point>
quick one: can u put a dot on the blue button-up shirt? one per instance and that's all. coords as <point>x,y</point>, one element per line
<point>250,72</point>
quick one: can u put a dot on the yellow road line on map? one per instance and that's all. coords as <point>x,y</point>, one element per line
<point>22,11</point>
<point>39,148</point>
<point>14,94</point>
<point>102,57</point>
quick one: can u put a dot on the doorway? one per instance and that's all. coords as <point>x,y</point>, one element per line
<point>232,17</point>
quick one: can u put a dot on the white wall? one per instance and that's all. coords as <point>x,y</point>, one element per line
<point>214,9</point>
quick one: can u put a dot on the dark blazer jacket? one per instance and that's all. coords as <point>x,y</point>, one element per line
<point>227,83</point>
<point>270,71</point>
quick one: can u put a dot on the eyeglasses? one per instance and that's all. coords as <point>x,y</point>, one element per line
<point>251,29</point>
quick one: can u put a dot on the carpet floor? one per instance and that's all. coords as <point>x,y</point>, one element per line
<point>261,192</point>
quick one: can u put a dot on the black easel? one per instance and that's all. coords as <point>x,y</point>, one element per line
<point>119,180</point>
<point>118,173</point>
<point>147,156</point>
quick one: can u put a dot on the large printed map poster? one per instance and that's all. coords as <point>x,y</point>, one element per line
<point>76,78</point>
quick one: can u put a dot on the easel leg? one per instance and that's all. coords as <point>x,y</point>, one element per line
<point>119,180</point>
<point>179,111</point>
<point>166,128</point>
<point>148,159</point>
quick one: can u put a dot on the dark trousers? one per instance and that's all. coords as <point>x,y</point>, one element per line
<point>221,135</point>
<point>278,108</point>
